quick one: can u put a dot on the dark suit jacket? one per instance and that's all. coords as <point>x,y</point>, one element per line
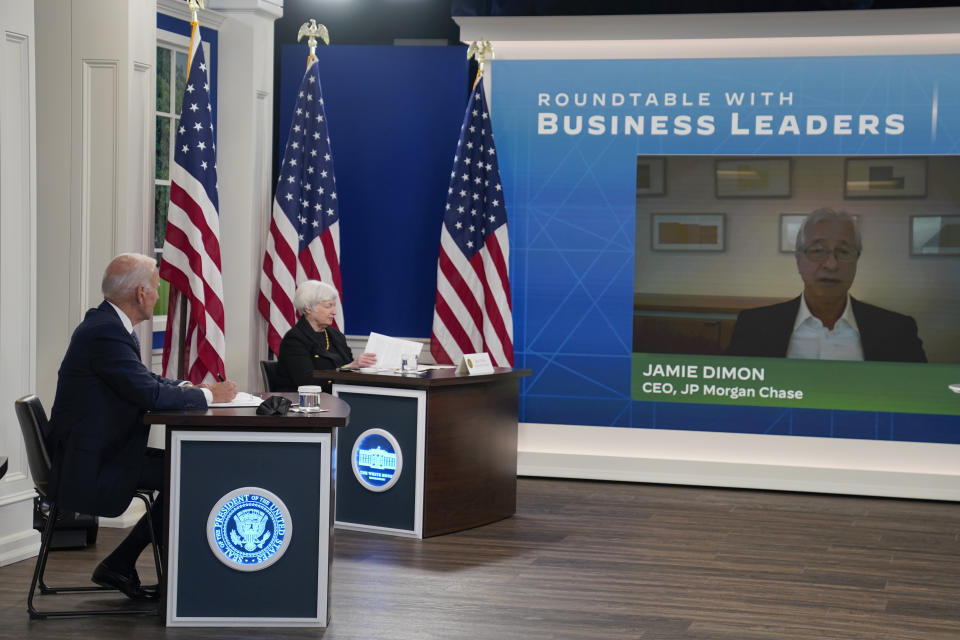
<point>97,436</point>
<point>884,335</point>
<point>303,350</point>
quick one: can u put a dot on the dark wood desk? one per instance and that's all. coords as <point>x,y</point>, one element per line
<point>223,463</point>
<point>466,447</point>
<point>336,414</point>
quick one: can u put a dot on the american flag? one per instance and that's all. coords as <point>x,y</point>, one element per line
<point>191,251</point>
<point>304,238</point>
<point>473,313</point>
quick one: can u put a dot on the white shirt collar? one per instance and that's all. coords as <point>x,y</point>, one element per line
<point>127,324</point>
<point>804,314</point>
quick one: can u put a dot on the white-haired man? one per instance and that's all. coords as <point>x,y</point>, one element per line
<point>97,436</point>
<point>825,322</point>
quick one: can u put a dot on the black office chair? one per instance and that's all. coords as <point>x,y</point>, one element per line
<point>268,371</point>
<point>33,424</point>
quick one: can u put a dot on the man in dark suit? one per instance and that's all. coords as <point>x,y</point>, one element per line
<point>825,322</point>
<point>97,435</point>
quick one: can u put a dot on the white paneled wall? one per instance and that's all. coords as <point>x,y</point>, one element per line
<point>18,258</point>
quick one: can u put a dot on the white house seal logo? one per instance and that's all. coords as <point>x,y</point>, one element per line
<point>377,459</point>
<point>249,529</point>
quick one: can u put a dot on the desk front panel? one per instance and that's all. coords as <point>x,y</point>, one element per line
<point>396,507</point>
<point>205,468</point>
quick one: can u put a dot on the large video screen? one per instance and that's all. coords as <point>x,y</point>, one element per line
<point>719,272</point>
<point>654,208</point>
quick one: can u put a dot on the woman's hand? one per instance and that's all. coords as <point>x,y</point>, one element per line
<point>363,360</point>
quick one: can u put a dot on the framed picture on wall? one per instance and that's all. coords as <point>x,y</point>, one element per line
<point>885,178</point>
<point>935,235</point>
<point>651,176</point>
<point>789,227</point>
<point>753,178</point>
<point>687,231</point>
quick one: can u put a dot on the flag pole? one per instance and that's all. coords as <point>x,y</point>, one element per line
<point>191,254</point>
<point>194,6</point>
<point>473,312</point>
<point>303,241</point>
<point>311,30</point>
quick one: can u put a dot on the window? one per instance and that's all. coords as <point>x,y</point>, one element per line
<point>171,79</point>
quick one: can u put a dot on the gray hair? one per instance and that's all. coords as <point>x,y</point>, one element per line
<point>125,273</point>
<point>312,292</point>
<point>820,215</point>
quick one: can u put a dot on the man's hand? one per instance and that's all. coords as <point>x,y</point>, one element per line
<point>222,391</point>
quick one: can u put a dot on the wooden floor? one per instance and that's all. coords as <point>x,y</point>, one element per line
<point>585,560</point>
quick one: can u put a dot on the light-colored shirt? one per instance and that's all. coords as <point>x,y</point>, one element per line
<point>812,340</point>
<point>128,325</point>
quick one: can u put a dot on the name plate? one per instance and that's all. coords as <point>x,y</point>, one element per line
<point>473,364</point>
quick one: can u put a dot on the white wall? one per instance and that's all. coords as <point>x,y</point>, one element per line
<point>18,259</point>
<point>96,78</point>
<point>724,459</point>
<point>95,85</point>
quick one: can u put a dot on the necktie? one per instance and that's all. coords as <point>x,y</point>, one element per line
<point>136,341</point>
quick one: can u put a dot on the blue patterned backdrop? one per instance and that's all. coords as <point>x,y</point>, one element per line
<point>571,202</point>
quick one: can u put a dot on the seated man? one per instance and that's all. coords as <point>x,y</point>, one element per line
<point>825,322</point>
<point>97,439</point>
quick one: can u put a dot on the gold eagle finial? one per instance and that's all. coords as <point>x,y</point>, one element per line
<point>312,31</point>
<point>482,50</point>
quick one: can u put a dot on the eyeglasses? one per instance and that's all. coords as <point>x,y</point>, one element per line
<point>820,253</point>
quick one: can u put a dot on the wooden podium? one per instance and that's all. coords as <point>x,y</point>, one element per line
<point>456,441</point>
<point>249,515</point>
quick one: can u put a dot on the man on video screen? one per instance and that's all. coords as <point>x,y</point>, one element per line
<point>825,322</point>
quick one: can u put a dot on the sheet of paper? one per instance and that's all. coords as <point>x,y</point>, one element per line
<point>389,350</point>
<point>242,399</point>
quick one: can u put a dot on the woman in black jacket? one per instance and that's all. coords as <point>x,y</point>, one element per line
<point>313,343</point>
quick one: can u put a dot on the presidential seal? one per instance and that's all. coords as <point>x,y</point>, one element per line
<point>249,529</point>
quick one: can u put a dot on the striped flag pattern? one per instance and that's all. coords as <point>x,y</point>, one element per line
<point>472,313</point>
<point>304,238</point>
<point>191,250</point>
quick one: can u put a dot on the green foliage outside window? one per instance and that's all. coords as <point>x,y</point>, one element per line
<point>160,309</point>
<point>181,79</point>
<point>171,85</point>
<point>161,202</point>
<point>163,147</point>
<point>163,79</point>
